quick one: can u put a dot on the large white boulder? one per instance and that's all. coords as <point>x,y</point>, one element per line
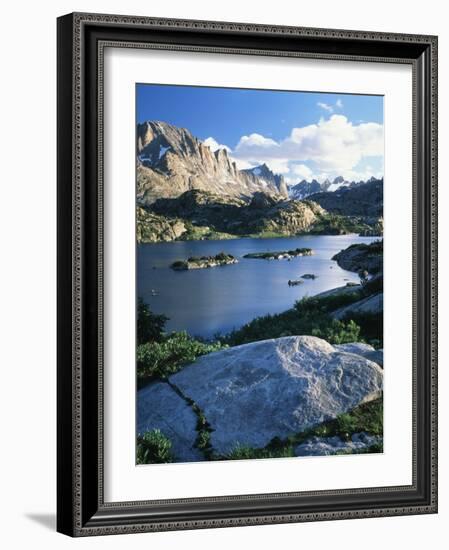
<point>255,392</point>
<point>365,350</point>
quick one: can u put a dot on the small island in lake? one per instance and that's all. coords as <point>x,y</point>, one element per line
<point>282,255</point>
<point>204,262</point>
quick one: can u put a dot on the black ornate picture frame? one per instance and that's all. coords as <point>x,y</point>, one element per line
<point>81,508</point>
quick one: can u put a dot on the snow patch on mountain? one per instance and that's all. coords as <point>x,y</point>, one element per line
<point>162,151</point>
<point>305,188</point>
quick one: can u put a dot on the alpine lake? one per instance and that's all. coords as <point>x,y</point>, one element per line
<point>216,300</point>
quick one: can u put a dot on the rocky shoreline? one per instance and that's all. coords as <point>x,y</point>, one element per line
<point>362,257</point>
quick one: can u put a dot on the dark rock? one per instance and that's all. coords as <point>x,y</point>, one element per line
<point>361,257</point>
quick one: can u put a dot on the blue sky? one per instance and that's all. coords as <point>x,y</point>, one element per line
<point>298,134</point>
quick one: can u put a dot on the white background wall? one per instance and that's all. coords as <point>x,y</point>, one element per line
<point>27,272</point>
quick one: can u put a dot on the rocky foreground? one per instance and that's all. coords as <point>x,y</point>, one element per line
<point>253,393</point>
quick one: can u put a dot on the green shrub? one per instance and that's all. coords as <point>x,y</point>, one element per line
<point>153,448</point>
<point>161,359</point>
<point>203,440</point>
<point>308,317</point>
<point>338,332</point>
<point>326,304</point>
<point>242,452</point>
<point>371,327</point>
<point>346,425</point>
<point>150,326</point>
<point>367,417</point>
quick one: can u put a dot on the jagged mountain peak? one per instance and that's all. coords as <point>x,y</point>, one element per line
<point>171,160</point>
<point>304,188</point>
<point>267,176</point>
<point>152,135</point>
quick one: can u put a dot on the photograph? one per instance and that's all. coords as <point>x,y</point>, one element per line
<point>259,273</point>
<point>228,352</point>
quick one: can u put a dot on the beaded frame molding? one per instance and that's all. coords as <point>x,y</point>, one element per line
<point>82,37</point>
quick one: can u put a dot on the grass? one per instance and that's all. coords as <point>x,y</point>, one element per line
<point>309,317</point>
<point>204,430</point>
<point>202,427</point>
<point>242,452</point>
<point>154,447</point>
<point>312,316</point>
<point>158,360</point>
<point>326,304</point>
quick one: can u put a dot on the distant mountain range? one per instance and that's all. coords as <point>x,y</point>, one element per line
<point>171,161</point>
<point>187,191</point>
<point>305,188</point>
<point>357,199</point>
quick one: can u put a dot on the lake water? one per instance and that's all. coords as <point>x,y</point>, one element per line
<point>208,301</point>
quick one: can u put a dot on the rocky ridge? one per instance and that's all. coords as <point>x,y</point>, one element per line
<point>171,161</point>
<point>231,215</point>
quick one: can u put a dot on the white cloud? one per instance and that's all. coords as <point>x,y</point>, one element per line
<point>333,146</point>
<point>362,175</point>
<point>325,106</point>
<point>329,148</point>
<point>214,145</point>
<point>255,141</point>
<point>278,166</point>
<point>339,104</point>
<point>244,164</point>
<point>302,171</point>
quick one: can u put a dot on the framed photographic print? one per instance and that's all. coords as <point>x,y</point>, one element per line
<point>246,274</point>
